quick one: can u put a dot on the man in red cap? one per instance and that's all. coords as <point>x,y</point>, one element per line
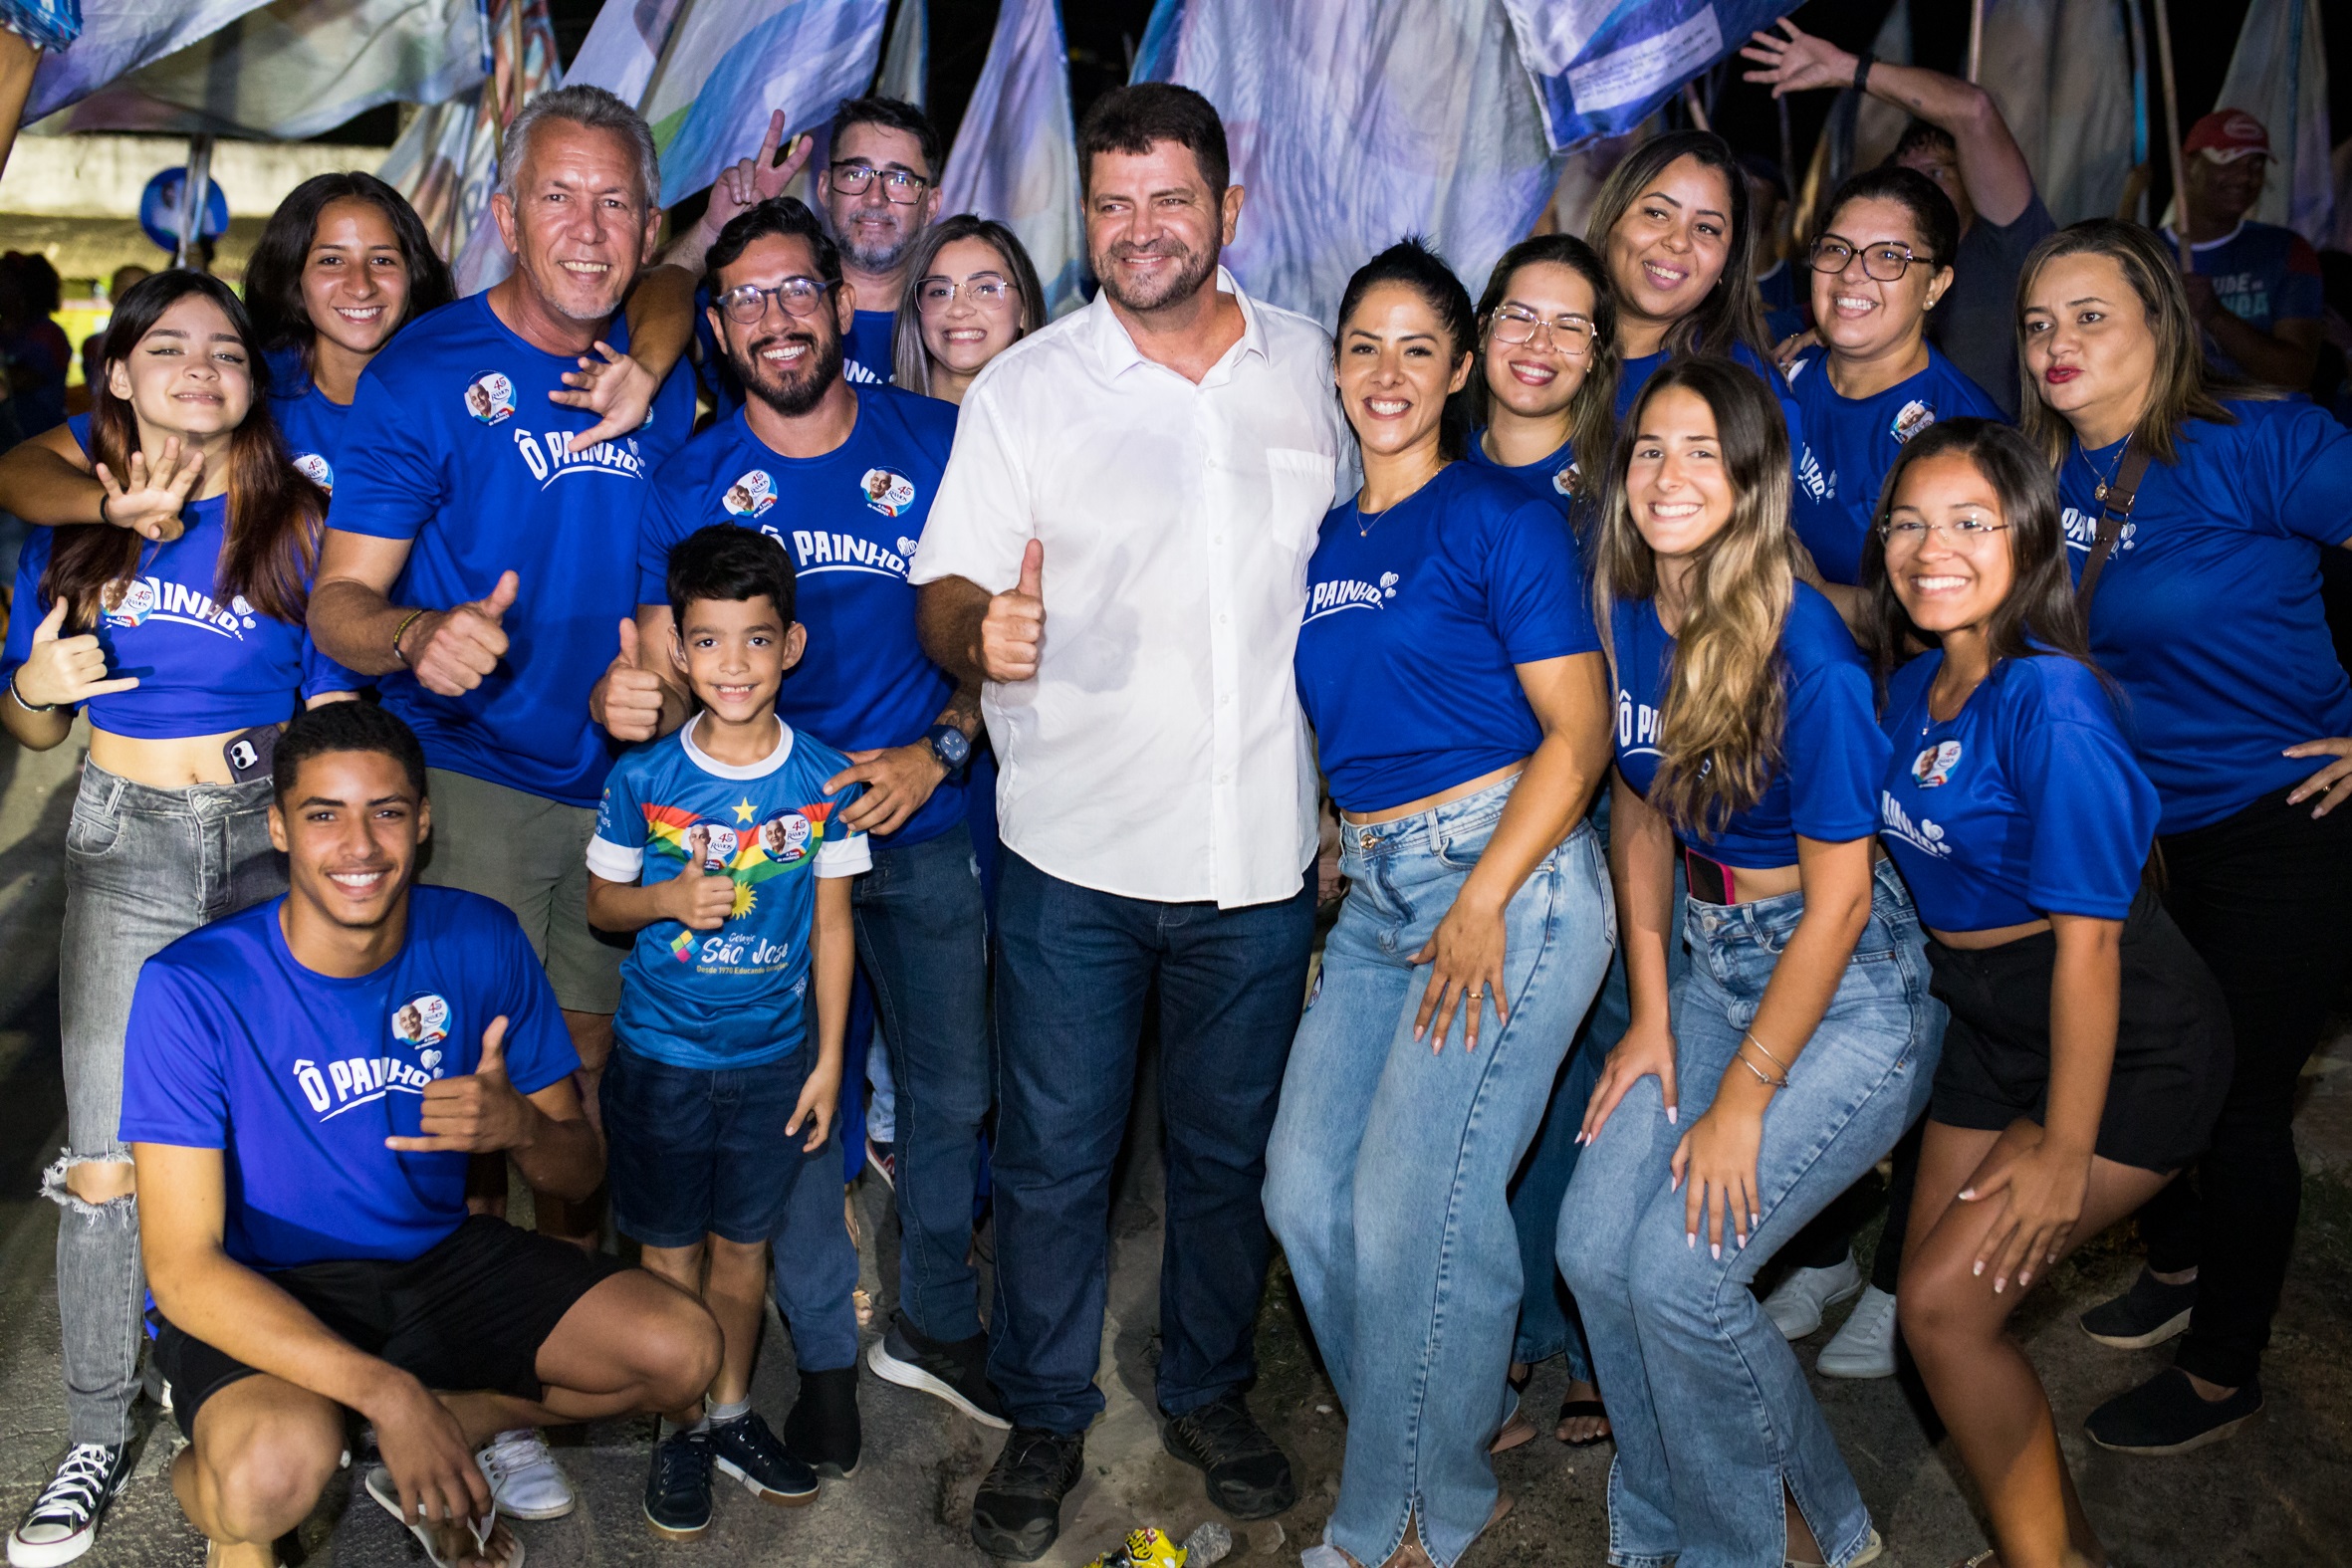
<point>2255,287</point>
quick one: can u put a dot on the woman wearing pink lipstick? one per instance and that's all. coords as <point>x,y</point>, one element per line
<point>2196,514</point>
<point>972,293</point>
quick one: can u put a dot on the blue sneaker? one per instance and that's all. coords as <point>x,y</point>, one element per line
<point>678,1489</point>
<point>747,1450</point>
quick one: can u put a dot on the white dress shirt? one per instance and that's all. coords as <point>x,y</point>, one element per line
<point>1159,752</point>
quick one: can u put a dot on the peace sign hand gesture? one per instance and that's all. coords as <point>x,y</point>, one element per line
<point>149,505</point>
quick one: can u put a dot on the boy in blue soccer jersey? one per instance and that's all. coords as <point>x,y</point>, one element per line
<point>719,847</point>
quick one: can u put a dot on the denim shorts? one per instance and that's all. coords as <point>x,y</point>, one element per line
<point>700,1151</point>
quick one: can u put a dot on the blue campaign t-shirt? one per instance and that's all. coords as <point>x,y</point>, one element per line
<point>850,521</point>
<point>1831,749</point>
<point>310,422</point>
<point>1783,305</point>
<point>2026,803</point>
<point>1850,444</point>
<point>453,444</point>
<point>730,997</point>
<point>1415,620</point>
<point>2261,274</point>
<point>2207,613</point>
<point>1635,375</point>
<point>299,1077</point>
<point>1552,479</point>
<point>866,353</point>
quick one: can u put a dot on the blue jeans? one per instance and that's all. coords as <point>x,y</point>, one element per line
<point>1386,1179</point>
<point>1073,968</point>
<point>923,939</point>
<point>1711,1410</point>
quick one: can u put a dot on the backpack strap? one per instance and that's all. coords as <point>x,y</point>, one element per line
<point>2114,511</point>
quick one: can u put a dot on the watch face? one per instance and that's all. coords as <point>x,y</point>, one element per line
<point>951,745</point>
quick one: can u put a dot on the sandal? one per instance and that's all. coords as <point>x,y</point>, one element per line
<point>387,1496</point>
<point>1583,1410</point>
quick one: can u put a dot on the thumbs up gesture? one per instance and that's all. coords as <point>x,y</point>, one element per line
<point>695,899</point>
<point>627,700</point>
<point>1015,624</point>
<point>452,650</point>
<point>65,671</point>
<point>476,1114</point>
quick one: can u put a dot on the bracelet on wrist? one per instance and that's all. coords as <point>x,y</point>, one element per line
<point>1760,1076</point>
<point>1862,64</point>
<point>102,507</point>
<point>400,631</point>
<point>13,691</point>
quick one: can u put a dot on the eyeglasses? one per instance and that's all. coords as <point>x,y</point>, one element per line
<point>1571,335</point>
<point>903,187</point>
<point>746,303</point>
<point>1911,533</point>
<point>934,295</point>
<point>1885,261</point>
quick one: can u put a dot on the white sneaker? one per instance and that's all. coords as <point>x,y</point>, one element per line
<point>523,1480</point>
<point>1864,1345</point>
<point>1797,1307</point>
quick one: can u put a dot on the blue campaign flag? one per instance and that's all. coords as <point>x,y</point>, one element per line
<point>1016,158</point>
<point>1602,66</point>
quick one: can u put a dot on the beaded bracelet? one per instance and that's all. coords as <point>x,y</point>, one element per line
<point>402,632</point>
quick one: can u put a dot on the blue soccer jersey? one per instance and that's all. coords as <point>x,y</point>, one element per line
<point>734,996</point>
<point>299,1077</point>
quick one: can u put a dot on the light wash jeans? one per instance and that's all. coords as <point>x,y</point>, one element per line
<point>143,867</point>
<point>1712,1412</point>
<point>1386,1174</point>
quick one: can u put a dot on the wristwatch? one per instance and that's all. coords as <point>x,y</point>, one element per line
<point>949,745</point>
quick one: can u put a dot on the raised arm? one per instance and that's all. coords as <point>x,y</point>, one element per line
<point>49,481</point>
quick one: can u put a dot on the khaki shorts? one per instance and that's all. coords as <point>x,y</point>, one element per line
<point>531,854</point>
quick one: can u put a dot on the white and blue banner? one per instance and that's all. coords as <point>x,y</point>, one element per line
<point>1016,155</point>
<point>119,36</point>
<point>2278,75</point>
<point>1602,66</point>
<point>907,58</point>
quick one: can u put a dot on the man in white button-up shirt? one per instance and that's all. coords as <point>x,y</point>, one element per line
<point>1120,549</point>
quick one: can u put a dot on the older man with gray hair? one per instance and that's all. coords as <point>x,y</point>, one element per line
<point>482,557</point>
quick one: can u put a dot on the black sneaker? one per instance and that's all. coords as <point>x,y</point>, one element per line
<point>952,1370</point>
<point>678,1489</point>
<point>1248,1478</point>
<point>822,1431</point>
<point>62,1524</point>
<point>1018,1510</point>
<point>2149,1313</point>
<point>745,1450</point>
<point>2165,1415</point>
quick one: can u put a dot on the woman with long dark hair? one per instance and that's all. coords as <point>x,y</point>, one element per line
<point>2195,514</point>
<point>170,823</point>
<point>972,293</point>
<point>1798,1044</point>
<point>1449,664</point>
<point>2088,1046</point>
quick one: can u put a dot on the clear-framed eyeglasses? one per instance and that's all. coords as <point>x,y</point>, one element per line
<point>903,187</point>
<point>1912,533</point>
<point>1571,336</point>
<point>986,291</point>
<point>746,303</point>
<point>1884,260</point>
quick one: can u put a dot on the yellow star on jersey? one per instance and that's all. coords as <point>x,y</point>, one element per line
<point>744,811</point>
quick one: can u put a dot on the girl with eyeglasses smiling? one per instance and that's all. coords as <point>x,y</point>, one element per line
<point>971,294</point>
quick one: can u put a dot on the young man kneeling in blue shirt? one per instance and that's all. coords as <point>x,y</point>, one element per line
<point>718,846</point>
<point>304,1085</point>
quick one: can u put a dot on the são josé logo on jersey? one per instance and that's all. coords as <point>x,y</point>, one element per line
<point>490,397</point>
<point>750,494</point>
<point>886,490</point>
<point>1934,766</point>
<point>1911,419</point>
<point>317,470</point>
<point>785,836</point>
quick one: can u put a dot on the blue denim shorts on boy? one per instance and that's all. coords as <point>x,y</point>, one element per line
<point>1387,1169</point>
<point>1711,1410</point>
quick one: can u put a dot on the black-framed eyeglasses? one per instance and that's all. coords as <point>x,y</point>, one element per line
<point>1571,335</point>
<point>987,291</point>
<point>746,303</point>
<point>903,187</point>
<point>1912,533</point>
<point>1884,260</point>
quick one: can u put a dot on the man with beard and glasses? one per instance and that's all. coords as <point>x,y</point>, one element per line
<point>1120,549</point>
<point>880,191</point>
<point>478,563</point>
<point>844,478</point>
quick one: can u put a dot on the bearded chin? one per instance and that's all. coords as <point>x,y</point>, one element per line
<point>1197,270</point>
<point>794,397</point>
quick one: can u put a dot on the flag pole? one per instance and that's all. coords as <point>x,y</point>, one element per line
<point>2172,136</point>
<point>1976,39</point>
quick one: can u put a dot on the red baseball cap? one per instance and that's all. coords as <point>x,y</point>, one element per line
<point>2228,135</point>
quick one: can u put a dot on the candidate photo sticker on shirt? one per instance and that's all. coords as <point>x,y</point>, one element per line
<point>317,470</point>
<point>785,836</point>
<point>127,603</point>
<point>1934,766</point>
<point>887,492</point>
<point>1565,481</point>
<point>750,494</point>
<point>1911,419</point>
<point>490,397</point>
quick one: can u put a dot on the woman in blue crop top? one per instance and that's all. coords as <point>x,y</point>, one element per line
<point>2088,1045</point>
<point>1800,1041</point>
<point>186,656</point>
<point>1449,665</point>
<point>2207,613</point>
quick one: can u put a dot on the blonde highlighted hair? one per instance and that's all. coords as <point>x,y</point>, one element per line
<point>1725,707</point>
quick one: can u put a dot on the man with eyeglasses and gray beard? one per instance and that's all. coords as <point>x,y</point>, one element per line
<point>880,191</point>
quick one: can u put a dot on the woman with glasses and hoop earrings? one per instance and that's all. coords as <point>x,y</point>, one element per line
<point>972,293</point>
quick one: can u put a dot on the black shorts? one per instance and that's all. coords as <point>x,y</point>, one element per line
<point>2171,1040</point>
<point>470,1313</point>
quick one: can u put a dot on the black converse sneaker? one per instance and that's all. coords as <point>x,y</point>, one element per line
<point>62,1524</point>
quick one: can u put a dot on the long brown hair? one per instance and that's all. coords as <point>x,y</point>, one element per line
<point>1593,412</point>
<point>1725,708</point>
<point>1731,311</point>
<point>2182,387</point>
<point>274,513</point>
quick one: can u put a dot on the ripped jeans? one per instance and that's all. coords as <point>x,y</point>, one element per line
<point>143,867</point>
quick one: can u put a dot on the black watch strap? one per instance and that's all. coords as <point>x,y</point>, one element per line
<point>1863,67</point>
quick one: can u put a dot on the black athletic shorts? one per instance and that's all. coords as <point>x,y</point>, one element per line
<point>2173,1046</point>
<point>469,1313</point>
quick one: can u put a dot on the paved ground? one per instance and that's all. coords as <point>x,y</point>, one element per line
<point>2279,1496</point>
